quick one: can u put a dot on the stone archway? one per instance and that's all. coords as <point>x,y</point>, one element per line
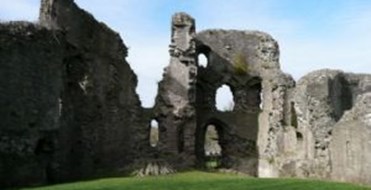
<point>210,144</point>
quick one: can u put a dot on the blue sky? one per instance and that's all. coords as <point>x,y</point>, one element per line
<point>312,34</point>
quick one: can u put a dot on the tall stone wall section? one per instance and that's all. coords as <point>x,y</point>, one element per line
<point>246,61</point>
<point>175,102</point>
<point>31,71</point>
<point>275,124</point>
<point>100,104</point>
<point>350,147</point>
<point>68,100</point>
<point>328,105</point>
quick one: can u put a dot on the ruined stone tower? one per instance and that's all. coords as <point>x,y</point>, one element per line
<point>245,61</point>
<point>175,102</point>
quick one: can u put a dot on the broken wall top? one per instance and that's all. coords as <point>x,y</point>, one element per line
<point>251,52</point>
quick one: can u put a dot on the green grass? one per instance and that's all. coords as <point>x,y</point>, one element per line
<point>212,164</point>
<point>201,181</point>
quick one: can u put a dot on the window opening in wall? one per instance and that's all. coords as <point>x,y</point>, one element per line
<point>212,148</point>
<point>224,99</point>
<point>300,146</point>
<point>294,118</point>
<point>153,134</point>
<point>299,140</point>
<point>202,60</point>
<point>299,137</point>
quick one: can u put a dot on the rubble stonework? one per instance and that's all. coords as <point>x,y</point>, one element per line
<point>175,102</point>
<point>68,99</point>
<point>70,111</point>
<point>322,100</point>
<point>350,148</point>
<point>245,61</point>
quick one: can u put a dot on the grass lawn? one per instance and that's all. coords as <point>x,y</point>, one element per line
<point>200,180</point>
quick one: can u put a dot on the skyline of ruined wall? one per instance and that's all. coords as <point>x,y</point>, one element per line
<point>323,43</point>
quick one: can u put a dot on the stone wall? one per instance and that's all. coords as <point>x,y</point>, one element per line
<point>244,61</point>
<point>101,108</point>
<point>31,71</point>
<point>175,101</point>
<point>350,147</point>
<point>331,107</point>
<point>68,99</point>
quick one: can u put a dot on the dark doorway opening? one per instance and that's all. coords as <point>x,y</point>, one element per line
<point>210,145</point>
<point>212,148</point>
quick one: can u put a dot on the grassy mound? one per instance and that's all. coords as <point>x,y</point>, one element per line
<point>201,181</point>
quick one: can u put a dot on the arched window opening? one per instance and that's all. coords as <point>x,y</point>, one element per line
<point>224,99</point>
<point>294,118</point>
<point>153,134</point>
<point>212,148</point>
<point>202,60</point>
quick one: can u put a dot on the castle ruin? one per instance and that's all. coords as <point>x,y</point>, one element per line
<point>70,111</point>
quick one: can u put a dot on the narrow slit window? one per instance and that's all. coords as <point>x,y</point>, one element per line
<point>154,134</point>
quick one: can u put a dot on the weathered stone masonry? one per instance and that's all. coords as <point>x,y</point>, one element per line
<point>68,101</point>
<point>69,108</point>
